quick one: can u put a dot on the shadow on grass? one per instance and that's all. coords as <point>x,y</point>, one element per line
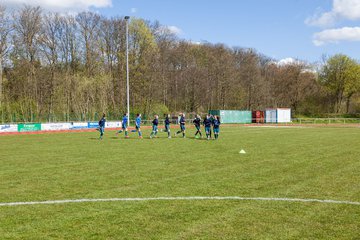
<point>198,139</point>
<point>122,138</point>
<point>94,138</point>
<point>130,138</point>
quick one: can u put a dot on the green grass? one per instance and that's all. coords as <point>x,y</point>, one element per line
<point>321,163</point>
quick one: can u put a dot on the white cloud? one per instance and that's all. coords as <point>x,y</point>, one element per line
<point>169,30</point>
<point>336,35</point>
<point>196,42</point>
<point>305,67</point>
<point>287,61</point>
<point>342,9</point>
<point>175,30</point>
<point>349,9</point>
<point>322,20</point>
<point>133,10</point>
<point>60,5</point>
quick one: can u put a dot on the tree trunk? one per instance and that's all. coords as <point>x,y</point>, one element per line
<point>348,100</point>
<point>249,97</point>
<point>51,94</point>
<point>339,101</point>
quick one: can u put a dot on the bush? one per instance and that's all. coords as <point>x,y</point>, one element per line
<point>159,109</point>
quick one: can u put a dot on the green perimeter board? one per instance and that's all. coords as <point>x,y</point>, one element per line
<point>29,127</point>
<point>233,116</point>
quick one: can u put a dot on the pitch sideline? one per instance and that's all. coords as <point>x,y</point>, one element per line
<point>193,198</point>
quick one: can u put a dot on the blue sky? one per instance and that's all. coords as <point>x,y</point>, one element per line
<point>303,29</point>
<point>276,28</point>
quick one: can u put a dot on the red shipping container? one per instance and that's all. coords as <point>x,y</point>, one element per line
<point>258,116</point>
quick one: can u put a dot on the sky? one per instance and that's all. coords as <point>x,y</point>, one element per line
<point>281,29</point>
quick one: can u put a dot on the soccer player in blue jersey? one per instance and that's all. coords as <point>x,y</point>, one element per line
<point>137,125</point>
<point>167,125</point>
<point>216,126</point>
<point>197,123</point>
<point>212,122</point>
<point>155,123</point>
<point>102,126</point>
<point>124,125</point>
<point>182,123</point>
<point>207,124</point>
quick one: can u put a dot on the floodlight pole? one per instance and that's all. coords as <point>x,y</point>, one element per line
<point>127,67</point>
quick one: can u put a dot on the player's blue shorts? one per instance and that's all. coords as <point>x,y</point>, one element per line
<point>137,128</point>
<point>102,130</point>
<point>216,130</point>
<point>208,129</point>
<point>124,126</point>
<point>182,127</point>
<point>167,127</point>
<point>155,128</point>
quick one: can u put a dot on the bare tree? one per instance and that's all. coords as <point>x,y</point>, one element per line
<point>27,26</point>
<point>249,72</point>
<point>5,29</point>
<point>166,41</point>
<point>89,23</point>
<point>49,40</point>
<point>112,39</point>
<point>70,61</point>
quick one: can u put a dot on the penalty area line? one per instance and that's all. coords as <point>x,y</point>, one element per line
<point>195,198</point>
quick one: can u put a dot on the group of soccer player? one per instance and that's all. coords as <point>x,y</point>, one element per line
<point>211,124</point>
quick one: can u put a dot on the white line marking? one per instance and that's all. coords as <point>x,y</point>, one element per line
<point>178,199</point>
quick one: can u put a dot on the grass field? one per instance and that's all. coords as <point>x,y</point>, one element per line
<point>316,163</point>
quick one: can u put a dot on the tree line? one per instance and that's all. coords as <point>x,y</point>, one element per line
<point>56,67</point>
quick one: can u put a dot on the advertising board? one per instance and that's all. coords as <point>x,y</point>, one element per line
<point>93,124</point>
<point>55,126</point>
<point>8,128</point>
<point>29,127</point>
<point>79,125</point>
<point>112,124</point>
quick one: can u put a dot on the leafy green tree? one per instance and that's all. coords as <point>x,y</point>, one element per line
<point>143,54</point>
<point>340,76</point>
<point>353,84</point>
